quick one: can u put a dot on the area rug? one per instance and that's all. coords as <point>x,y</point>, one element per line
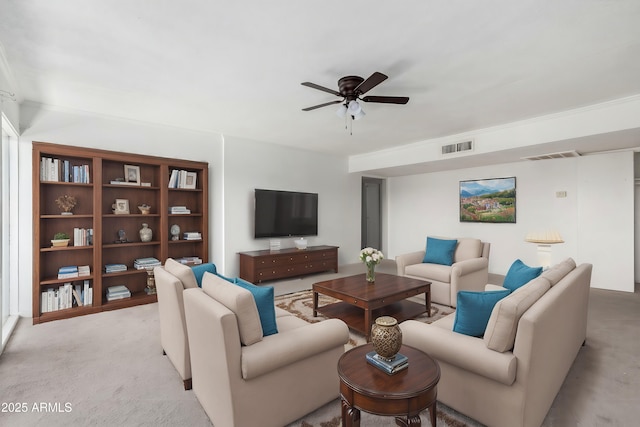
<point>300,304</point>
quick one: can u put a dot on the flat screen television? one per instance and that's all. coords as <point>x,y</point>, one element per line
<point>285,213</point>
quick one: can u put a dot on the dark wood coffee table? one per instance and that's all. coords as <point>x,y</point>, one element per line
<point>362,302</point>
<point>403,395</point>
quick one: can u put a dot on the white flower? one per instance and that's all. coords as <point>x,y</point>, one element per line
<point>371,256</point>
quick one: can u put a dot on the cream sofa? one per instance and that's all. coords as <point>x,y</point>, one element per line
<point>244,379</point>
<point>511,376</point>
<point>469,271</point>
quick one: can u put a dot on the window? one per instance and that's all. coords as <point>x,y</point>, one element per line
<point>8,212</point>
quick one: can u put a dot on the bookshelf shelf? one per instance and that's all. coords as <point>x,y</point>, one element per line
<point>90,173</point>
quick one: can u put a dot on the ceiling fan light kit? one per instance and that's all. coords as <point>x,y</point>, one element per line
<point>350,90</point>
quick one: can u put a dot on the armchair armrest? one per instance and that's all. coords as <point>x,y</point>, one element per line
<point>468,275</point>
<point>462,351</point>
<point>285,348</point>
<point>462,268</point>
<point>408,259</point>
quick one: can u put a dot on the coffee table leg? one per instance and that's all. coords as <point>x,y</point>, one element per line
<point>432,412</point>
<point>367,324</point>
<point>427,299</point>
<point>350,415</point>
<point>315,303</point>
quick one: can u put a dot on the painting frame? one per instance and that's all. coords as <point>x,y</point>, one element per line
<point>190,180</point>
<point>132,174</point>
<point>490,200</point>
<point>121,207</point>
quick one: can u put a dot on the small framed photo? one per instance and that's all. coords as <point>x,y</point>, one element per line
<point>121,206</point>
<point>190,181</point>
<point>132,173</point>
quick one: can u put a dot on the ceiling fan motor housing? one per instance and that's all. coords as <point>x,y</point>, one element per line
<point>347,86</point>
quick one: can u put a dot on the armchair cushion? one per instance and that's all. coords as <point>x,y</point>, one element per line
<point>263,296</point>
<point>238,300</point>
<point>182,272</point>
<point>474,309</point>
<point>296,344</point>
<point>440,251</point>
<point>519,274</point>
<point>467,249</point>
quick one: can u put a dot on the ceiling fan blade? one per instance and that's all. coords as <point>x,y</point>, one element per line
<point>322,88</point>
<point>374,80</point>
<point>322,105</point>
<point>387,99</point>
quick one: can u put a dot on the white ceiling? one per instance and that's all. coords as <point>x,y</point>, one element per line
<point>236,67</point>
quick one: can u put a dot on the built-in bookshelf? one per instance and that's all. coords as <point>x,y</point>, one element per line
<point>115,193</point>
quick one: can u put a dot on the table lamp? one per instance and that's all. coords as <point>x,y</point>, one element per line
<point>544,240</point>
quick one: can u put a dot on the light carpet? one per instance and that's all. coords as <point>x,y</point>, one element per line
<point>300,304</point>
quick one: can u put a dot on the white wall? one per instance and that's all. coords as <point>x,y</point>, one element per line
<point>250,165</point>
<point>599,197</point>
<point>78,129</point>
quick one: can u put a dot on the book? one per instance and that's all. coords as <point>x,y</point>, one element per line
<point>117,289</point>
<point>84,270</point>
<point>399,362</point>
<point>68,272</point>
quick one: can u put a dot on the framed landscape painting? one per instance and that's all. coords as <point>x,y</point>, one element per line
<point>488,200</point>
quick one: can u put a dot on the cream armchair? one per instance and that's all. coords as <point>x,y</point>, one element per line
<point>244,379</point>
<point>469,271</point>
<point>171,281</point>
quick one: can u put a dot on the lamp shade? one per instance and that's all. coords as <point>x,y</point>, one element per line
<point>358,115</point>
<point>342,110</point>
<point>546,237</point>
<point>354,108</point>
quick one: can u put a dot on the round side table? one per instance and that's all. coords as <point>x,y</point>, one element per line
<point>405,394</point>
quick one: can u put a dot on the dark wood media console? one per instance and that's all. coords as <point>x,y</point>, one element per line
<point>258,266</point>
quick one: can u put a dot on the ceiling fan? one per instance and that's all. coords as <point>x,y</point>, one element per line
<point>350,89</point>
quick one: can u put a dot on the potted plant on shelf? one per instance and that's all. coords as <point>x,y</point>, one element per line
<point>60,239</point>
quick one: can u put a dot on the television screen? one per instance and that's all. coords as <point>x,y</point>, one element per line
<point>285,213</point>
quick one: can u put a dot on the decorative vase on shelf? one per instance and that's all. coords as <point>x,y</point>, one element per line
<point>386,337</point>
<point>371,273</point>
<point>146,233</point>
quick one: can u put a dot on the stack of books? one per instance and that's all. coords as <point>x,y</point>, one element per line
<point>68,272</point>
<point>180,210</point>
<point>190,260</point>
<point>192,235</point>
<point>117,292</point>
<point>396,364</point>
<point>146,263</point>
<point>82,236</point>
<point>114,268</point>
<point>84,270</point>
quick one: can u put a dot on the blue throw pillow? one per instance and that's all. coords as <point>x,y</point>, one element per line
<point>439,251</point>
<point>520,274</point>
<point>263,296</point>
<point>198,271</point>
<point>474,309</point>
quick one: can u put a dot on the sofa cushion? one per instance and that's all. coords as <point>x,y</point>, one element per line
<point>182,272</point>
<point>467,249</point>
<point>439,251</point>
<point>198,271</point>
<point>474,309</point>
<point>263,296</point>
<point>519,274</point>
<point>500,334</point>
<point>238,300</point>
<point>558,271</point>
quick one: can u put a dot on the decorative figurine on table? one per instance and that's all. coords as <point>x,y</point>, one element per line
<point>122,237</point>
<point>175,232</point>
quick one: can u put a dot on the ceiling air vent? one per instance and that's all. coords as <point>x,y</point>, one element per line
<point>560,155</point>
<point>457,148</point>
